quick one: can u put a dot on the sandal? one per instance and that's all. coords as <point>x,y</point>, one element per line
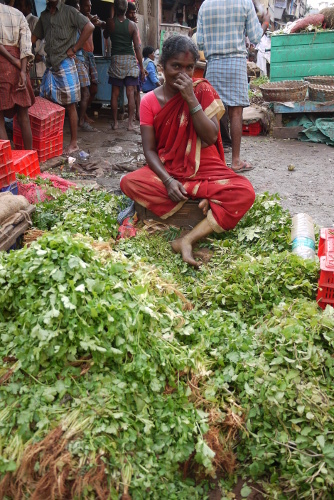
<point>87,128</point>
<point>244,167</point>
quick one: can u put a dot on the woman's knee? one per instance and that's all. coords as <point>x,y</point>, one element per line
<point>248,194</point>
<point>128,185</point>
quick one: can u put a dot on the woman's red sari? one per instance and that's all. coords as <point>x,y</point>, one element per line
<point>202,171</point>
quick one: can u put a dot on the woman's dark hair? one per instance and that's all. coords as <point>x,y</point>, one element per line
<point>176,44</point>
<point>147,51</point>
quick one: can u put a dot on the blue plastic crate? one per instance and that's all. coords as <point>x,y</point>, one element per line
<point>12,188</point>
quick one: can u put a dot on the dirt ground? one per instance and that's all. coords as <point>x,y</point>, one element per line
<point>308,188</point>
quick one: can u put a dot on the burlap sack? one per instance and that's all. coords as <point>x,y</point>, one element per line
<point>10,204</point>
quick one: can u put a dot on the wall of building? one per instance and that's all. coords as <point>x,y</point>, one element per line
<point>147,13</point>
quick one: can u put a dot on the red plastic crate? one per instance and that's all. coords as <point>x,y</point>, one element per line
<point>46,148</point>
<point>7,174</point>
<point>326,281</point>
<point>252,129</point>
<point>46,119</point>
<point>5,152</point>
<point>26,163</point>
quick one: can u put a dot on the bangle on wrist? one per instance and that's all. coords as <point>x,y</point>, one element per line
<point>195,109</point>
<point>167,181</point>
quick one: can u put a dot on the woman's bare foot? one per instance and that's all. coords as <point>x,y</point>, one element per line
<point>182,246</point>
<point>71,148</point>
<point>204,206</point>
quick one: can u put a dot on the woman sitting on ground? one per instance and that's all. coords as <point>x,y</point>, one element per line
<point>184,152</point>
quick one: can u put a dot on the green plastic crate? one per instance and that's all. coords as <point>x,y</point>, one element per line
<point>301,54</point>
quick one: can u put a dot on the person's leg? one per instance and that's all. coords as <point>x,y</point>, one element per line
<point>224,129</point>
<point>224,202</point>
<point>24,123</point>
<point>94,80</point>
<point>130,93</point>
<point>3,133</point>
<point>73,119</point>
<point>83,104</point>
<point>137,101</point>
<point>235,115</point>
<point>184,245</point>
<point>114,99</point>
<point>92,94</point>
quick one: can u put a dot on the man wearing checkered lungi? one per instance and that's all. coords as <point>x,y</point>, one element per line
<point>59,25</point>
<point>221,29</point>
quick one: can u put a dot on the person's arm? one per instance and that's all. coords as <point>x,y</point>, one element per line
<point>108,28</point>
<point>200,32</point>
<point>206,128</point>
<point>23,74</point>
<point>253,27</point>
<point>265,22</point>
<point>84,35</point>
<point>13,60</point>
<point>25,40</point>
<point>151,74</point>
<point>97,21</point>
<point>175,189</point>
<point>137,46</point>
<point>38,32</point>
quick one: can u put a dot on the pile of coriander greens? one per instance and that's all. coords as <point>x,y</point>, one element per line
<point>124,373</point>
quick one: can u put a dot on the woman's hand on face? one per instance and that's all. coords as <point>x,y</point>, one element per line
<point>185,85</point>
<point>176,191</point>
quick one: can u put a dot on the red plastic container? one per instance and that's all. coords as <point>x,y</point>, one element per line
<point>326,281</point>
<point>7,174</point>
<point>46,147</point>
<point>5,151</point>
<point>26,163</point>
<point>252,129</point>
<point>46,119</point>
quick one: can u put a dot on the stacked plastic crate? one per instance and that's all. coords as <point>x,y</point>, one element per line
<point>326,255</point>
<point>7,173</point>
<point>47,122</point>
<point>26,163</point>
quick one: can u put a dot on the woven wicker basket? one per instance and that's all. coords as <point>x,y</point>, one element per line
<point>321,93</point>
<point>289,90</point>
<point>320,80</point>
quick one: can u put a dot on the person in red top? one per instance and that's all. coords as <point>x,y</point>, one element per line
<point>184,151</point>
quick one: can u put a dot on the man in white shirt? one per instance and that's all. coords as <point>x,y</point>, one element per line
<point>25,6</point>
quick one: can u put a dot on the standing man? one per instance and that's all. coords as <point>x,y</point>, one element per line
<point>123,67</point>
<point>221,29</point>
<point>59,25</point>
<point>88,54</point>
<point>25,6</point>
<point>16,94</point>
